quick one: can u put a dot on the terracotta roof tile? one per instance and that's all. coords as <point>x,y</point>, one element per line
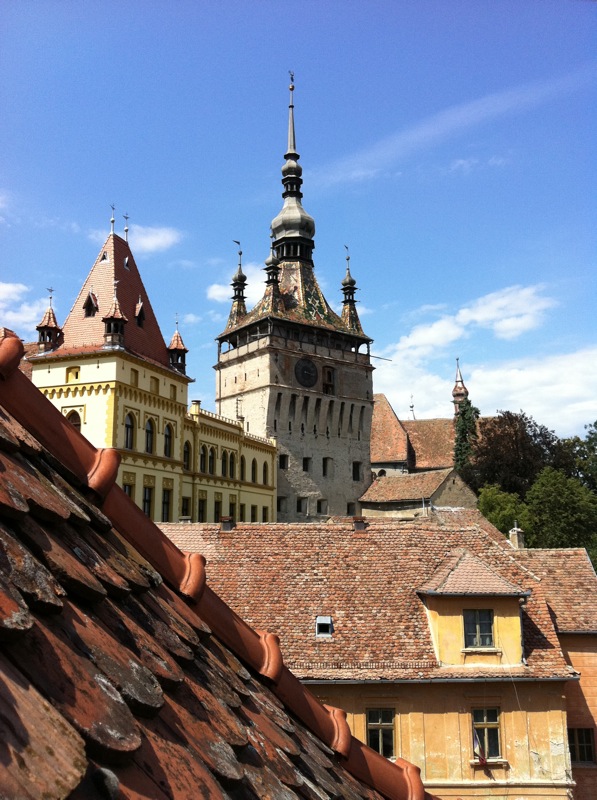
<point>389,441</point>
<point>115,262</point>
<point>114,683</point>
<point>570,584</point>
<point>432,441</point>
<point>464,574</point>
<point>367,580</point>
<point>413,486</point>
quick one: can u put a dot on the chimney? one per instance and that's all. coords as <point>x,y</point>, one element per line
<point>516,536</point>
<point>195,408</point>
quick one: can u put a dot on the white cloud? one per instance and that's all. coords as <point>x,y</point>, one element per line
<point>222,292</point>
<point>382,155</point>
<point>144,239</point>
<point>559,391</point>
<point>18,314</point>
<point>191,319</point>
<point>507,313</point>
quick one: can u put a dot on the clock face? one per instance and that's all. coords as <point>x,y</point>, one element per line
<point>306,372</point>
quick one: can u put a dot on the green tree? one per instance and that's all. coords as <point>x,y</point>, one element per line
<point>562,513</point>
<point>465,438</point>
<point>503,509</point>
<point>579,457</point>
<point>511,451</point>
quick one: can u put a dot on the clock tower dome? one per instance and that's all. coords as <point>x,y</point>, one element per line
<point>296,371</point>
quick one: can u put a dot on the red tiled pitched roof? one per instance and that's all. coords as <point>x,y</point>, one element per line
<point>121,672</point>
<point>570,585</point>
<point>115,262</point>
<point>298,299</point>
<point>389,441</point>
<point>367,580</point>
<point>432,441</point>
<point>413,486</point>
<point>464,574</point>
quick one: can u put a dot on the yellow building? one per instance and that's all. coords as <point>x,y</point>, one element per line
<point>109,371</point>
<point>434,638</point>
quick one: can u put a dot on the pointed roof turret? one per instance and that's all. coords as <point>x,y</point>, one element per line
<point>48,329</point>
<point>114,323</point>
<point>459,392</point>
<point>178,352</point>
<point>350,317</point>
<point>239,282</point>
<point>293,229</point>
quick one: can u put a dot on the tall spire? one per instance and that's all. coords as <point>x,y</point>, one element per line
<point>293,229</point>
<point>291,137</point>
<point>459,392</point>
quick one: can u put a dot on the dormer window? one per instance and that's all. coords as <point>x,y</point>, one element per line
<point>90,306</point>
<point>324,627</point>
<point>478,627</point>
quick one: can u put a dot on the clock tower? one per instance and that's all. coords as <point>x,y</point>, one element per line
<point>296,371</point>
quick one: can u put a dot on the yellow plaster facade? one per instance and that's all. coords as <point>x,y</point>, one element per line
<point>433,729</point>
<point>446,622</point>
<point>141,409</point>
<point>431,723</point>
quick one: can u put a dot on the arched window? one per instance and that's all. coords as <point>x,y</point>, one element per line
<point>149,434</point>
<point>203,459</point>
<point>74,419</point>
<point>254,471</point>
<point>232,466</point>
<point>224,463</point>
<point>129,432</point>
<point>211,463</point>
<point>168,441</point>
<point>186,455</point>
<point>265,473</point>
<point>243,469</point>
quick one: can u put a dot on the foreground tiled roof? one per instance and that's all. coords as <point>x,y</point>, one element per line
<point>398,488</point>
<point>432,441</point>
<point>367,581</point>
<point>570,585</point>
<point>122,674</point>
<point>389,441</point>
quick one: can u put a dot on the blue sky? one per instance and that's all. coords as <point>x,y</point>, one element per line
<point>450,145</point>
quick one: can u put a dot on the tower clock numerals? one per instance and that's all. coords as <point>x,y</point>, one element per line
<point>306,372</point>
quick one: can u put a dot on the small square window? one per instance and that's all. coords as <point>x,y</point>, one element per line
<point>380,730</point>
<point>301,505</point>
<point>478,627</point>
<point>486,734</point>
<point>324,626</point>
<point>322,506</point>
<point>582,745</point>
